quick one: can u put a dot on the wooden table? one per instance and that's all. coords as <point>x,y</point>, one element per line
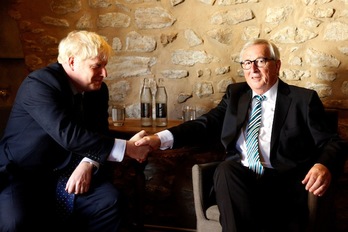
<point>132,126</point>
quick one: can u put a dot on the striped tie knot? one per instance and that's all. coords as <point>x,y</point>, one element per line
<point>259,98</point>
<point>252,140</point>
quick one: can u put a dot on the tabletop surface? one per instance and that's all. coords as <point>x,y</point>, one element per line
<point>133,126</point>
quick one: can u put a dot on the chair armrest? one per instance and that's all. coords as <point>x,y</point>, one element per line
<point>202,181</point>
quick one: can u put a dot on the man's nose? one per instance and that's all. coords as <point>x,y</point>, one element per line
<point>253,66</point>
<point>104,72</point>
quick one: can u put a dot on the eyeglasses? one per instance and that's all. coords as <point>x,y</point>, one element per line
<point>259,62</point>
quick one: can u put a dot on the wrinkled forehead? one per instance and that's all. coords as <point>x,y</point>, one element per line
<point>256,51</point>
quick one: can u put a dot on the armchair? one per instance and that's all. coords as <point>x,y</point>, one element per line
<point>321,209</point>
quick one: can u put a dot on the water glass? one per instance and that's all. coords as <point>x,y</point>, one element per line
<point>118,115</point>
<point>188,113</point>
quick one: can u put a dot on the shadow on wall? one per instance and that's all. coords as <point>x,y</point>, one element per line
<point>12,73</point>
<point>4,114</point>
<point>12,64</point>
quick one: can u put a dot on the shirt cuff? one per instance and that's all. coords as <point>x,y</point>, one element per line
<point>166,138</point>
<point>117,152</point>
<point>95,163</point>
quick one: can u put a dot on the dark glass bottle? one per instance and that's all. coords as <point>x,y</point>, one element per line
<point>146,104</point>
<point>161,104</point>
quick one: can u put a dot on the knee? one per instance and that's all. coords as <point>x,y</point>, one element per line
<point>220,175</point>
<point>221,170</point>
<point>114,199</point>
<point>111,202</point>
<point>228,171</point>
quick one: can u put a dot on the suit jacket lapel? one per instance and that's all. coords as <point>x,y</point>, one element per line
<point>231,128</point>
<point>282,107</point>
<point>243,106</point>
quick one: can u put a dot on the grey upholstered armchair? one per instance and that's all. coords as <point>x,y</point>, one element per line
<point>207,213</point>
<point>321,210</point>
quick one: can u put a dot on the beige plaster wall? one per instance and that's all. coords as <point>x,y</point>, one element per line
<point>194,44</point>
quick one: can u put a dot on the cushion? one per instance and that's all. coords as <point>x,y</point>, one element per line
<point>213,213</point>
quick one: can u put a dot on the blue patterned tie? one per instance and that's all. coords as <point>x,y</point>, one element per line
<point>252,137</point>
<point>64,200</point>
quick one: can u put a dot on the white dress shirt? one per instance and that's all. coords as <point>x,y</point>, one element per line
<point>265,133</point>
<point>267,115</point>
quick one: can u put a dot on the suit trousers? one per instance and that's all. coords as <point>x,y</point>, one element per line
<point>27,203</point>
<point>273,202</point>
<point>98,210</point>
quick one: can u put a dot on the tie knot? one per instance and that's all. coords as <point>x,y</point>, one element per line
<point>78,96</point>
<point>78,99</point>
<point>260,97</point>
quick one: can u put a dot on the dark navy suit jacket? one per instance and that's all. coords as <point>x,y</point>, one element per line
<point>43,129</point>
<point>300,134</point>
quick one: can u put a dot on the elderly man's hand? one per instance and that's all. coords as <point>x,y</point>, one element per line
<point>139,153</point>
<point>151,140</point>
<point>138,136</point>
<point>317,180</point>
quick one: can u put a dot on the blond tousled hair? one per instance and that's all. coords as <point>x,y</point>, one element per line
<point>83,45</point>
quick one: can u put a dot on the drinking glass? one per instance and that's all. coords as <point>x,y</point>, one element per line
<point>118,113</point>
<point>188,113</point>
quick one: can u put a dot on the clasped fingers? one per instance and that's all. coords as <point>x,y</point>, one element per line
<point>138,153</point>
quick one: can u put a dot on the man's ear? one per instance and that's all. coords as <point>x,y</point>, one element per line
<point>278,63</point>
<point>71,62</point>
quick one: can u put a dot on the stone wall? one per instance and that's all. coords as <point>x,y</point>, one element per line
<point>195,44</point>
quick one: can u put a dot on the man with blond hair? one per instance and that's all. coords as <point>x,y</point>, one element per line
<point>60,116</point>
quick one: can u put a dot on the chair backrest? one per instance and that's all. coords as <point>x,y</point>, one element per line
<point>332,119</point>
<point>208,193</point>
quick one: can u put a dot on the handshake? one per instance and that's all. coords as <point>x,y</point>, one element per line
<point>141,144</point>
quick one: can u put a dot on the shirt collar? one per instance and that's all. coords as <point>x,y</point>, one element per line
<point>271,94</point>
<point>73,89</point>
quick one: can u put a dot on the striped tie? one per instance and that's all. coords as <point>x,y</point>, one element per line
<point>252,142</point>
